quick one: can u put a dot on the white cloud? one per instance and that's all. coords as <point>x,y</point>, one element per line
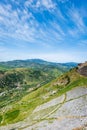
<point>14,23</point>
<point>28,3</point>
<point>22,25</point>
<point>48,4</point>
<point>40,4</point>
<point>77,19</point>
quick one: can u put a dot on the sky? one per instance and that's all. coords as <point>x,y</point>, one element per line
<point>53,30</point>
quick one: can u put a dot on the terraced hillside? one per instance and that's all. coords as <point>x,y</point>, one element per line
<point>60,104</point>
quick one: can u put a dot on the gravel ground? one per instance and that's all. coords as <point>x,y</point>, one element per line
<point>76,92</point>
<point>50,103</point>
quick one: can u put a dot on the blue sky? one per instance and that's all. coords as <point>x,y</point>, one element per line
<point>53,30</point>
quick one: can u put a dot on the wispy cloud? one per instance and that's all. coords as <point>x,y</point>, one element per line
<point>40,4</point>
<point>77,19</point>
<point>24,26</point>
<point>48,4</point>
<point>15,23</point>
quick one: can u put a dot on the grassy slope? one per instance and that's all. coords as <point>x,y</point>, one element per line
<point>27,77</point>
<point>27,81</point>
<point>20,110</point>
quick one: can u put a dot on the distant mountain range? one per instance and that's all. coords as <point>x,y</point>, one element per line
<point>36,63</point>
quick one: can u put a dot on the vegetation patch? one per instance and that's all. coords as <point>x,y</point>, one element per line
<point>0,118</point>
<point>11,115</point>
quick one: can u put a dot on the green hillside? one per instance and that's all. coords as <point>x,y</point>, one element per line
<point>27,77</point>
<point>13,110</point>
<point>18,82</point>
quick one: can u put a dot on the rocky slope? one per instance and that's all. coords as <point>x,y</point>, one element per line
<point>67,112</point>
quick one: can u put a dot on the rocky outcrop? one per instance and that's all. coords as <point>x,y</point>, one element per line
<point>82,68</point>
